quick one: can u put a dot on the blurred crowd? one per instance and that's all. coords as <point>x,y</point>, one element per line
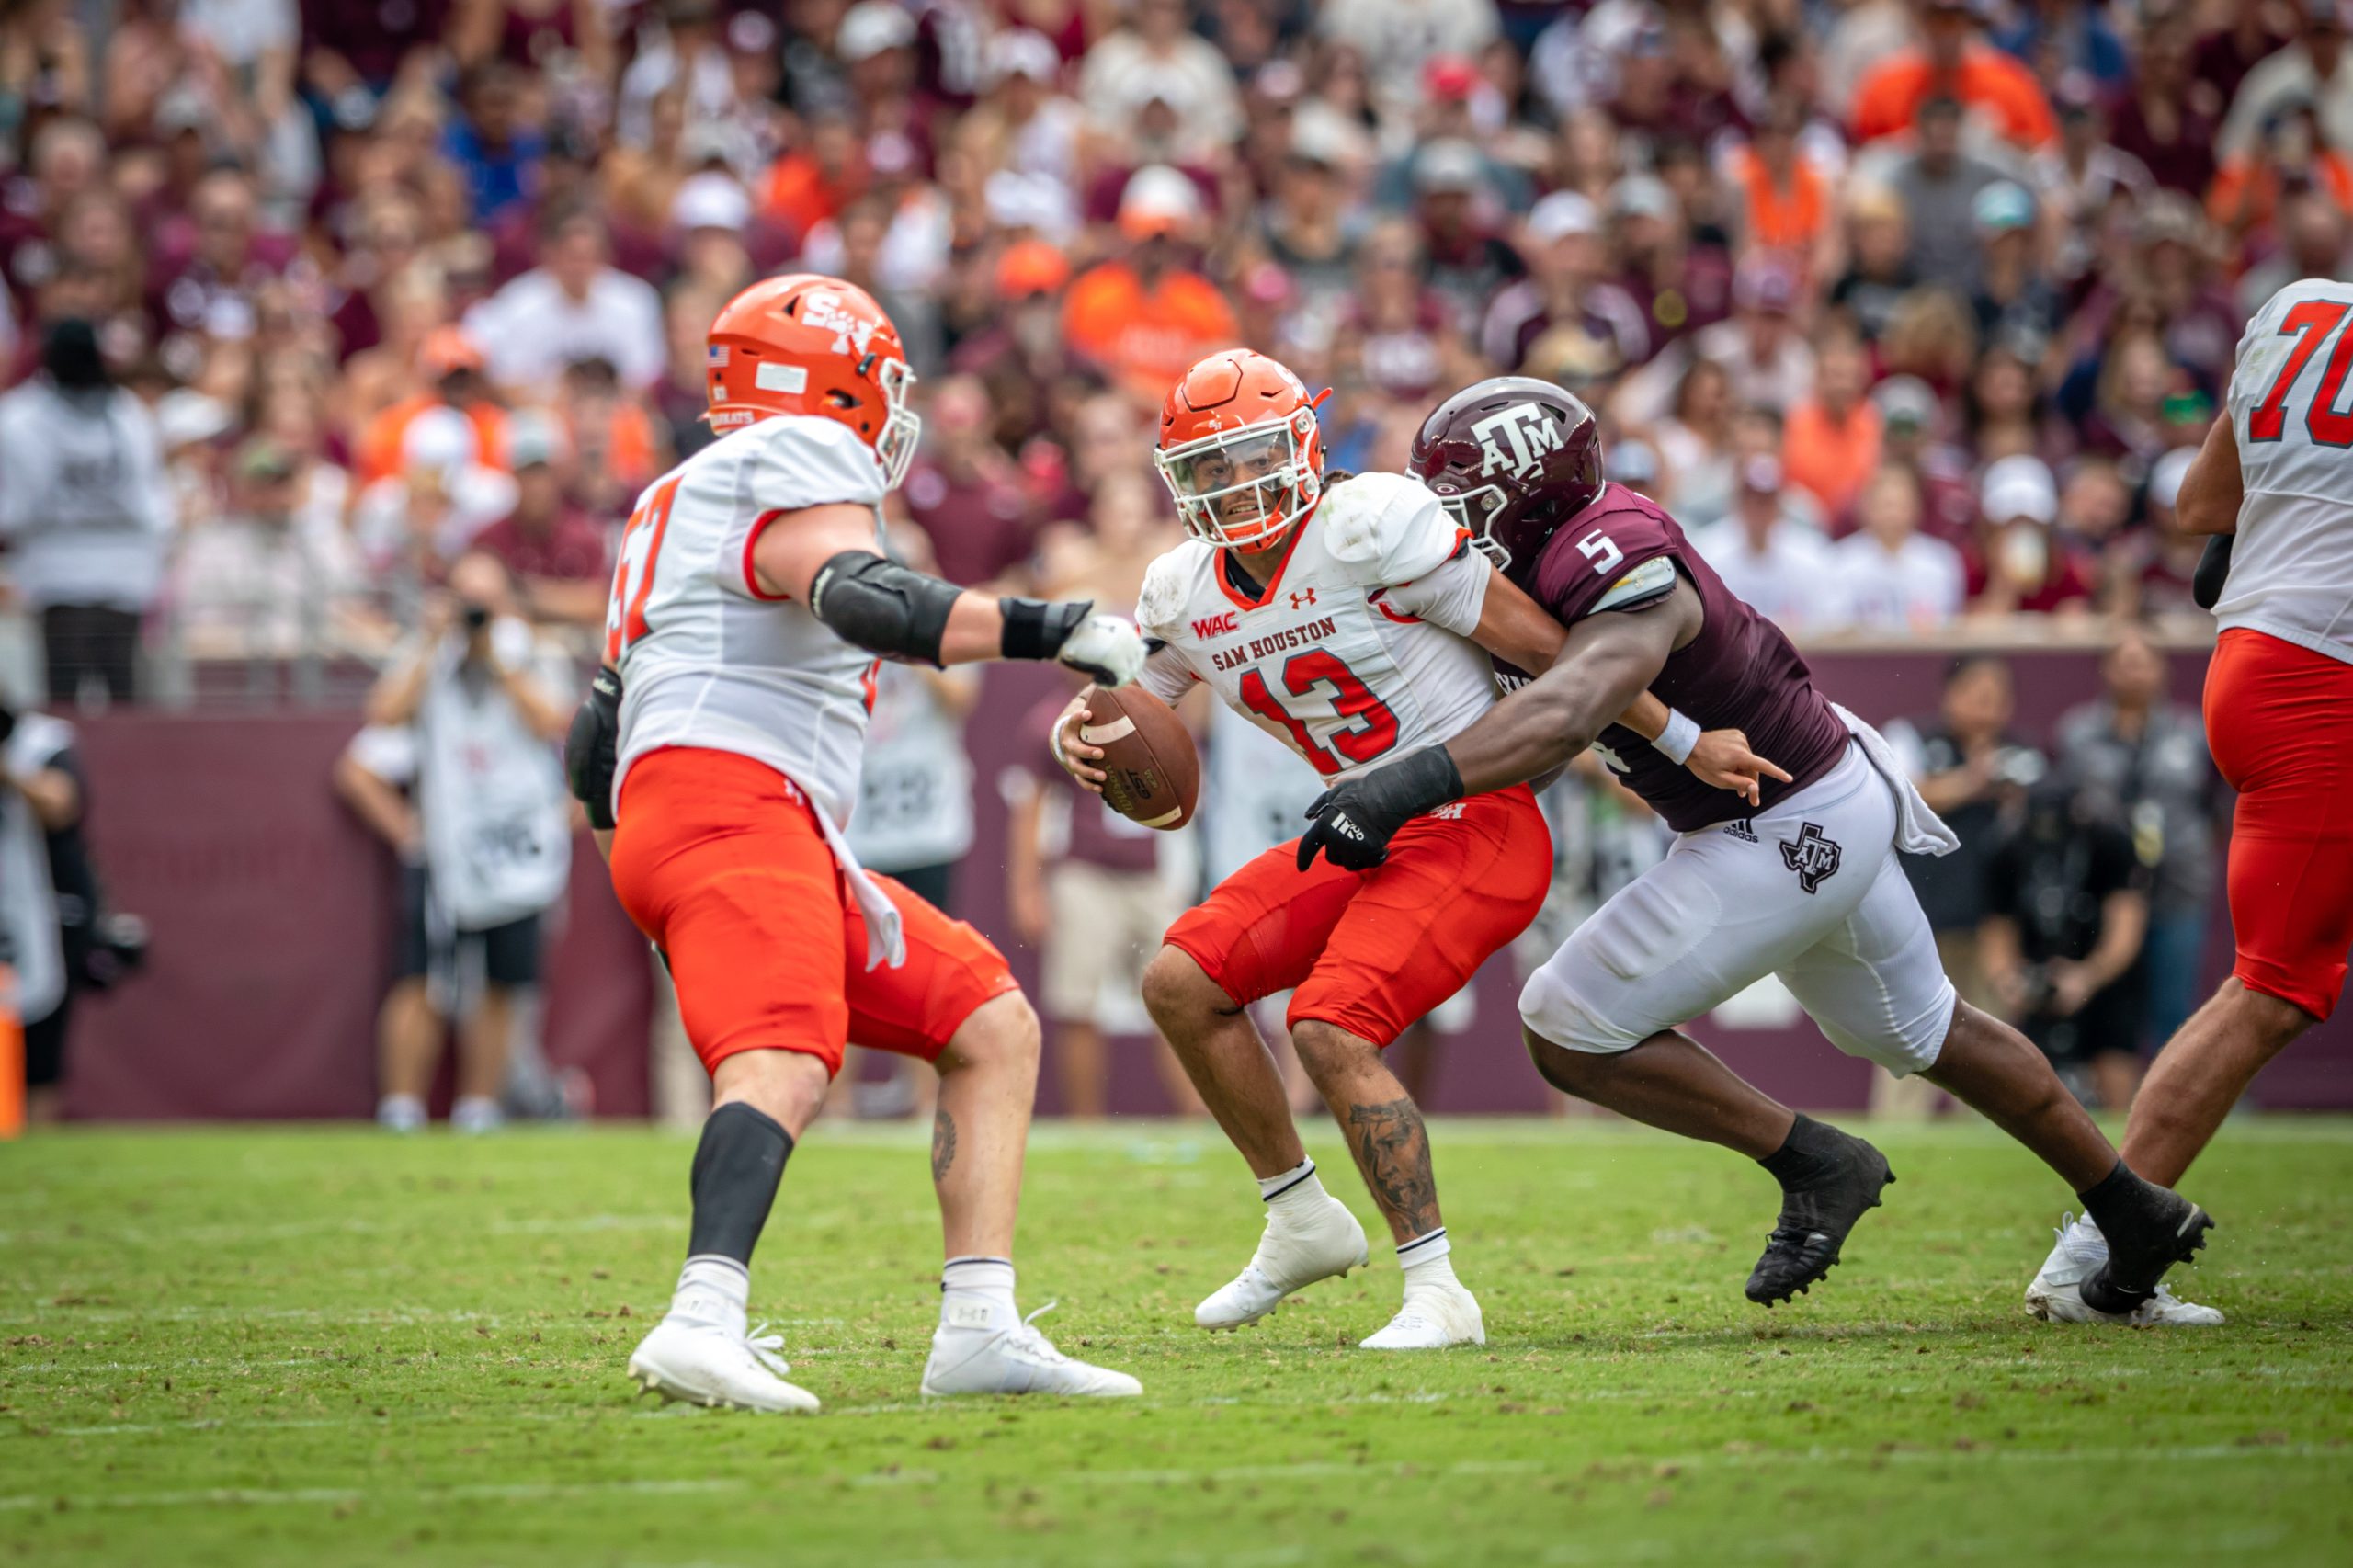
<point>1911,307</point>
<point>1913,311</point>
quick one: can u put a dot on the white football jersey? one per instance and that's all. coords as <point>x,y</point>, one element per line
<point>1356,650</point>
<point>708,660</point>
<point>2291,412</point>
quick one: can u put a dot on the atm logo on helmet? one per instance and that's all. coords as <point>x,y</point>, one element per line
<point>1516,439</point>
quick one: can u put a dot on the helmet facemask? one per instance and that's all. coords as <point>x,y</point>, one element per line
<point>1245,487</point>
<point>1474,511</point>
<point>902,426</point>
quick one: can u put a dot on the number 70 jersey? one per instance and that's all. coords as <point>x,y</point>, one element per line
<point>1355,650</point>
<point>2292,413</point>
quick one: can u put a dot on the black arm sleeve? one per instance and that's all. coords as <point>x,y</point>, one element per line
<point>882,606</point>
<point>2214,569</point>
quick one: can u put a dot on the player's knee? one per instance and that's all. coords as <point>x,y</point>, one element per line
<point>1552,1013</point>
<point>788,1086</point>
<point>1177,989</point>
<point>1573,1072</point>
<point>1327,1049</point>
<point>1002,1032</point>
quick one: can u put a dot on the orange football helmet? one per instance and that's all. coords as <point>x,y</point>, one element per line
<point>811,344</point>
<point>1240,449</point>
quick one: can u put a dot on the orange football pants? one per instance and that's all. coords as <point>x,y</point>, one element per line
<point>1373,951</point>
<point>2279,722</point>
<point>719,861</point>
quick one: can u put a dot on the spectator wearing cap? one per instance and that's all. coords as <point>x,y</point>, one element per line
<point>409,525</point>
<point>450,367</point>
<point>2015,300</point>
<point>571,306</point>
<point>1145,316</point>
<point>1879,265</point>
<point>1953,61</point>
<point>1830,443</point>
<point>1912,433</point>
<point>552,549</point>
<point>2313,70</point>
<point>1464,260</point>
<point>1939,184</point>
<point>1307,223</point>
<point>1022,123</point>
<point>1019,355</point>
<point>87,513</point>
<point>1764,552</point>
<point>1760,348</point>
<point>2154,566</point>
<point>1400,332</point>
<point>1890,579</point>
<point>1679,285</point>
<point>271,577</point>
<point>1157,56</point>
<point>716,238</point>
<point>2019,566</point>
<point>1564,290</point>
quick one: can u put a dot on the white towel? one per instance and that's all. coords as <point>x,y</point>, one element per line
<point>886,943</point>
<point>1918,830</point>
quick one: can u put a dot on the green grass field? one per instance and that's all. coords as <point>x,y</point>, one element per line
<point>329,1347</point>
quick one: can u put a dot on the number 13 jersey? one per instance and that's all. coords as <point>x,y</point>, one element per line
<point>1355,650</point>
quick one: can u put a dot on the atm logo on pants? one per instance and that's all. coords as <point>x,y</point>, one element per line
<point>1813,858</point>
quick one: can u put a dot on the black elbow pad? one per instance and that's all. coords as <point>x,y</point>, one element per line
<point>881,607</point>
<point>591,749</point>
<point>2214,570</point>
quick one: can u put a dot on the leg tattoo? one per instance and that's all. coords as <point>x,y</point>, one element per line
<point>1393,1152</point>
<point>943,1143</point>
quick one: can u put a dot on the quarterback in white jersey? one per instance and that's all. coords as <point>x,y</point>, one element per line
<point>2273,486</point>
<point>1352,620</point>
<point>721,745</point>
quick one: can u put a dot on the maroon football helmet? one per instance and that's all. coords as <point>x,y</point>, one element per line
<point>1512,458</point>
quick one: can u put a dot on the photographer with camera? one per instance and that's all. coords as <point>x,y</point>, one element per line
<point>1972,772</point>
<point>48,893</point>
<point>487,848</point>
<point>2068,910</point>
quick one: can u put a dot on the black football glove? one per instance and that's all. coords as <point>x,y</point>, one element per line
<point>2214,571</point>
<point>1353,822</point>
<point>591,749</point>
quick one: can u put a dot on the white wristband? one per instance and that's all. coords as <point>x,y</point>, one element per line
<point>1682,733</point>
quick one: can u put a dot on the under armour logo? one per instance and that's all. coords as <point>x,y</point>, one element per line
<point>1301,598</point>
<point>1813,858</point>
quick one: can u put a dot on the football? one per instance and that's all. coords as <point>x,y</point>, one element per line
<point>1155,773</point>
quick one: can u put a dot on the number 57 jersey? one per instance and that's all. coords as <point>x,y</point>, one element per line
<point>1357,647</point>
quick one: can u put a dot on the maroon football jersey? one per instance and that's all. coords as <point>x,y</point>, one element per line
<point>1740,673</point>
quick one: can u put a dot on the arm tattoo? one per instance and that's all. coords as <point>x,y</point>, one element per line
<point>1393,1152</point>
<point>943,1143</point>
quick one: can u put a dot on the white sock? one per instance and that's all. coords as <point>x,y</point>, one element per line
<point>712,1291</point>
<point>1423,1259</point>
<point>401,1111</point>
<point>1294,1191</point>
<point>977,1292</point>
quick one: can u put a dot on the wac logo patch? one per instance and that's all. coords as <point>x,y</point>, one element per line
<point>1216,625</point>
<point>1517,439</point>
<point>1813,858</point>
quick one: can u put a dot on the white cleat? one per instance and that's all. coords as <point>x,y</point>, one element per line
<point>2057,1295</point>
<point>1014,1360</point>
<point>704,1364</point>
<point>1292,1254</point>
<point>1433,1317</point>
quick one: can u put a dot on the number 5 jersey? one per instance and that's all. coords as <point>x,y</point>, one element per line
<point>1356,647</point>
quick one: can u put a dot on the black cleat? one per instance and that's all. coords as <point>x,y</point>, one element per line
<point>1843,1181</point>
<point>2166,1230</point>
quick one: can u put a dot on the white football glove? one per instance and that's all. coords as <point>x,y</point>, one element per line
<point>1106,649</point>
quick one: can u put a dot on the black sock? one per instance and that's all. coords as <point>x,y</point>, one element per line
<point>737,1166</point>
<point>2117,1198</point>
<point>1809,1149</point>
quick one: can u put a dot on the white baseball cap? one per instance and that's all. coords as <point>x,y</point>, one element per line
<point>1559,215</point>
<point>870,27</point>
<point>2020,487</point>
<point>710,201</point>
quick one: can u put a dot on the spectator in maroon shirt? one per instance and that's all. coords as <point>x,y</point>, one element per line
<point>2170,119</point>
<point>2019,564</point>
<point>360,44</point>
<point>965,492</point>
<point>218,261</point>
<point>548,544</point>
